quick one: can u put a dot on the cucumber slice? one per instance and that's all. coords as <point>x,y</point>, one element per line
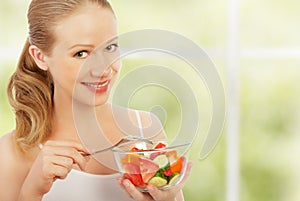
<point>174,179</point>
<point>158,181</point>
<point>161,160</point>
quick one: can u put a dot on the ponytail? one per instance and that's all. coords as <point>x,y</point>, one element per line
<point>30,93</point>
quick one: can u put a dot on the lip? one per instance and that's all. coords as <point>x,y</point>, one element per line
<point>97,87</point>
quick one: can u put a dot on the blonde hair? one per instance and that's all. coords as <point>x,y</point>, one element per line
<point>30,89</point>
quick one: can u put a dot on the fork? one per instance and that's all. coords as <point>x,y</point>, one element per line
<point>123,140</point>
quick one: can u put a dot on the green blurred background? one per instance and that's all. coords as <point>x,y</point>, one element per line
<point>268,86</point>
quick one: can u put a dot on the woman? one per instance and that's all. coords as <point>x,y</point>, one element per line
<point>43,158</point>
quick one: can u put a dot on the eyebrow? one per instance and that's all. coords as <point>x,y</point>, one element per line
<point>112,39</point>
<point>89,45</point>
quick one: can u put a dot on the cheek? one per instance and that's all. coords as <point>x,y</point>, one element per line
<point>64,71</point>
<point>117,65</point>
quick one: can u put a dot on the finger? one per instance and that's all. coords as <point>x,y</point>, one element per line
<point>70,143</point>
<point>185,177</point>
<point>69,152</point>
<point>155,193</point>
<point>187,173</point>
<point>77,157</point>
<point>159,195</point>
<point>133,192</point>
<point>62,161</point>
<point>56,171</point>
<point>120,180</point>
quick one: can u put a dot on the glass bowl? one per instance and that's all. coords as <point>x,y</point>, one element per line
<point>161,163</point>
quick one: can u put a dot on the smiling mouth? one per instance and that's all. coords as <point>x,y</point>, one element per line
<point>96,85</point>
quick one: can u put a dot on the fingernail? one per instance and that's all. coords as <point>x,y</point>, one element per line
<point>119,180</point>
<point>126,184</point>
<point>150,188</point>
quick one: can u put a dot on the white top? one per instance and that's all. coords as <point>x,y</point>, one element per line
<point>82,186</point>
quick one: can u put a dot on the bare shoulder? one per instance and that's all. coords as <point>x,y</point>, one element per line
<point>149,118</point>
<point>12,169</point>
<point>7,150</point>
<point>152,125</point>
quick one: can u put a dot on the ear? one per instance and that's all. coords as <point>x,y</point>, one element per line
<point>38,56</point>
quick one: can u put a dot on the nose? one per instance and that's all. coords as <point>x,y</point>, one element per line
<point>99,73</point>
<point>98,64</point>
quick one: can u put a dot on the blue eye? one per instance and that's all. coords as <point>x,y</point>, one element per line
<point>81,54</point>
<point>112,47</point>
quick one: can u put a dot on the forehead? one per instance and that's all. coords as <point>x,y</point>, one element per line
<point>91,24</point>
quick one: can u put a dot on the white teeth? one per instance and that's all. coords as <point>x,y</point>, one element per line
<point>94,85</point>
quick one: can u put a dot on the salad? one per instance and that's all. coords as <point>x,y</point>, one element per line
<point>159,167</point>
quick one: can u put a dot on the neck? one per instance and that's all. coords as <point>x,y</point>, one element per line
<point>63,125</point>
<point>72,119</point>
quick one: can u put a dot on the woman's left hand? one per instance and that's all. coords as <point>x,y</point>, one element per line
<point>154,194</point>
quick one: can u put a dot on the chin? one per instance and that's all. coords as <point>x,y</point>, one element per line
<point>90,101</point>
<point>99,103</point>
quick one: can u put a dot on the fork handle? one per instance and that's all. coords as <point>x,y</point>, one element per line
<point>96,152</point>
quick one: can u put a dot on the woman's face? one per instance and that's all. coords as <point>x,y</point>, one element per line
<point>83,57</point>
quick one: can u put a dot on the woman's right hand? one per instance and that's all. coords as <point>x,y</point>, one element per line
<point>54,161</point>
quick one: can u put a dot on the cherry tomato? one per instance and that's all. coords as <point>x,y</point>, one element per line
<point>168,172</point>
<point>134,149</point>
<point>160,145</point>
<point>136,179</point>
